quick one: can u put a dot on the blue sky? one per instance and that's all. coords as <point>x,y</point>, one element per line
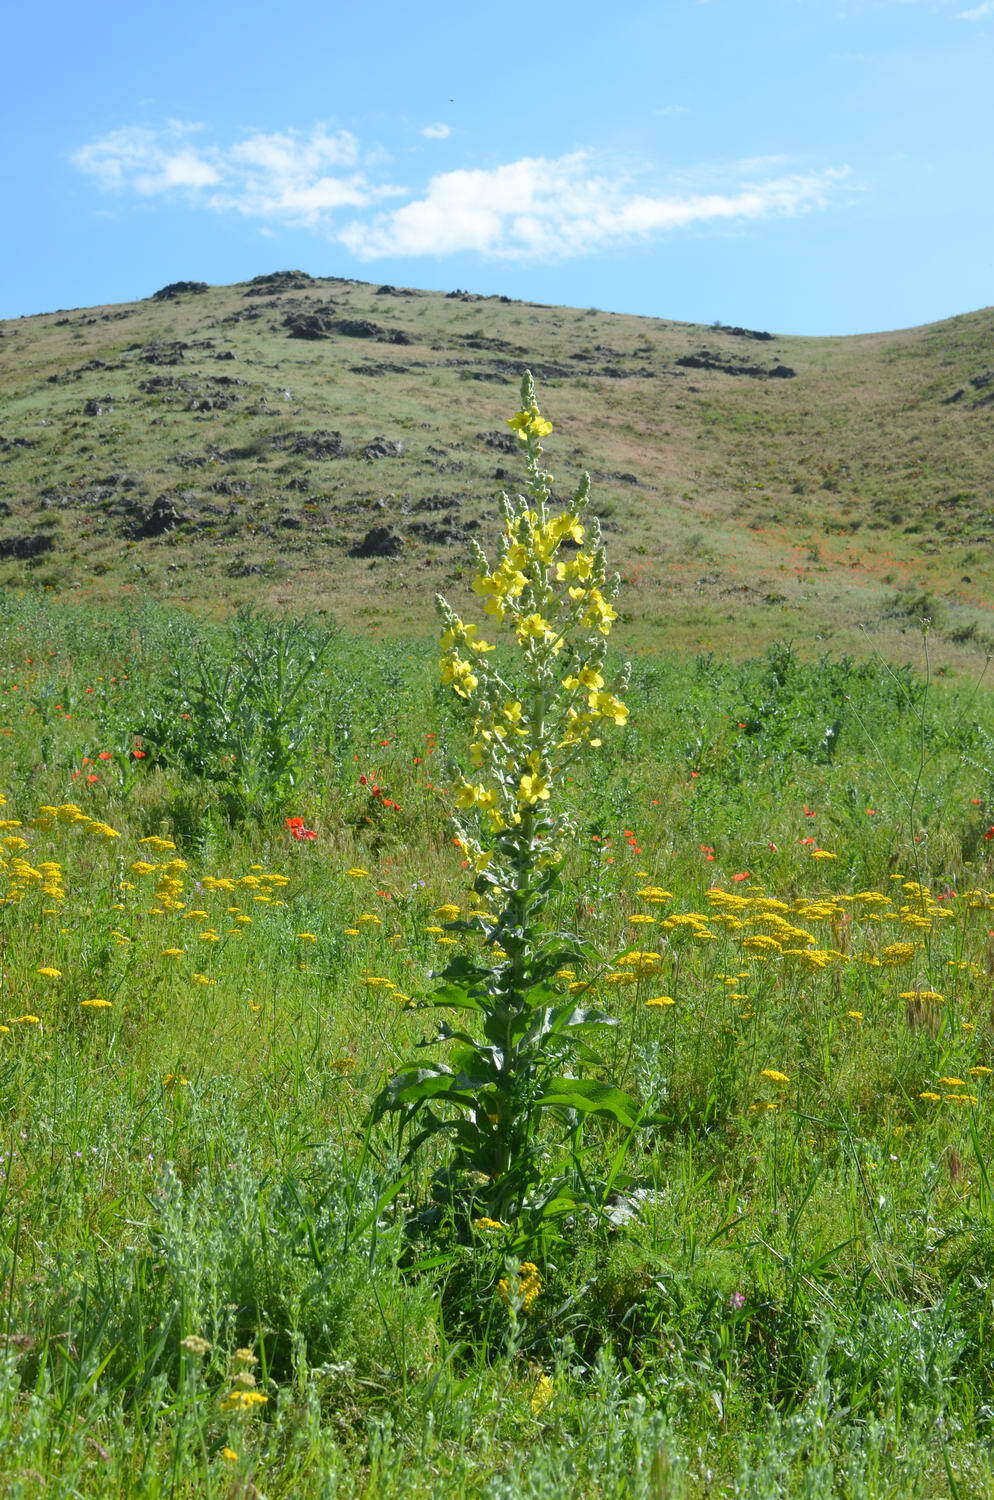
<point>808,166</point>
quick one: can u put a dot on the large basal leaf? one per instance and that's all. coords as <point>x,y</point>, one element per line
<point>588,1097</point>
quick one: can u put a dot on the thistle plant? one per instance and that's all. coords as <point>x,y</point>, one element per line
<point>509,1093</point>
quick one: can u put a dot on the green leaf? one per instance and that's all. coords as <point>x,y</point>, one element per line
<point>588,1097</point>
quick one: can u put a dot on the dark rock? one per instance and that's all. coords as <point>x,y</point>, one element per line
<point>278,281</point>
<point>7,445</point>
<point>384,369</point>
<point>436,502</point>
<point>395,291</point>
<point>163,515</point>
<point>168,353</point>
<point>288,521</point>
<point>178,289</point>
<point>379,541</point>
<point>320,444</point>
<point>956,396</point>
<point>28,545</point>
<point>981,382</point>
<point>503,442</point>
<point>706,359</point>
<point>383,448</point>
<point>505,476</point>
<point>96,407</point>
<point>438,533</point>
<point>744,333</point>
<point>315,325</point>
<point>362,328</point>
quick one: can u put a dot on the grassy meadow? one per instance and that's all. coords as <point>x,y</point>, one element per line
<point>219,923</point>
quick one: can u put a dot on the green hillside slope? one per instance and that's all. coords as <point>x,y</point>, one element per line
<point>321,443</point>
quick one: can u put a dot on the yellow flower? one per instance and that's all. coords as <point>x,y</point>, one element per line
<point>28,1020</point>
<point>229,1454</point>
<point>307,937</point>
<point>488,1224</point>
<point>532,627</point>
<point>243,1400</point>
<point>533,788</point>
<point>528,1288</point>
<point>357,873</point>
<point>661,1000</point>
<point>541,1395</point>
<point>773,1074</point>
<point>821,854</point>
<point>932,995</point>
<point>96,1003</point>
<point>448,912</point>
<point>172,953</point>
<point>530,423</point>
<point>174,1080</point>
<point>50,973</point>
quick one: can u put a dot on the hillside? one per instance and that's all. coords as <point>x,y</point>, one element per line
<point>321,443</point>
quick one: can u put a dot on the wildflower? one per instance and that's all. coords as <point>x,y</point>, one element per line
<point>661,1000</point>
<point>541,1395</point>
<point>979,1070</point>
<point>202,979</point>
<point>174,1080</point>
<point>530,423</point>
<point>28,1020</point>
<point>307,937</point>
<point>528,1288</point>
<point>343,1065</point>
<point>243,1401</point>
<point>745,875</point>
<point>245,1357</point>
<point>772,1073</point>
<point>822,854</point>
<point>953,1082</point>
<point>932,995</point>
<point>854,1015</point>
<point>229,1454</point>
<point>50,973</point>
<point>172,953</point>
<point>533,788</point>
<point>194,1344</point>
<point>96,1003</point>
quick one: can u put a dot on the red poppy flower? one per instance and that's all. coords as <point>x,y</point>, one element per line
<point>743,875</point>
<point>105,755</point>
<point>138,755</point>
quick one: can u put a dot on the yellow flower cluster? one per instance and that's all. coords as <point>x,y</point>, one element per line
<point>528,1287</point>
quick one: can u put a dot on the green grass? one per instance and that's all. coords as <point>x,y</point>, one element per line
<point>832,507</point>
<point>798,1299</point>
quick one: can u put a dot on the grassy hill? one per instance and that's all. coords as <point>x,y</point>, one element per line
<point>318,443</point>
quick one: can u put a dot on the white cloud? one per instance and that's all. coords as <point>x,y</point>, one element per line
<point>537,208</point>
<point>437,132</point>
<point>978,13</point>
<point>293,177</point>
<point>541,209</point>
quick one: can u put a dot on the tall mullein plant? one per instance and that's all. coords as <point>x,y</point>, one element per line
<point>515,1056</point>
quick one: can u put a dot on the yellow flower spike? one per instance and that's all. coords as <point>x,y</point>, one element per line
<point>541,1394</point>
<point>53,973</point>
<point>661,1000</point>
<point>774,1075</point>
